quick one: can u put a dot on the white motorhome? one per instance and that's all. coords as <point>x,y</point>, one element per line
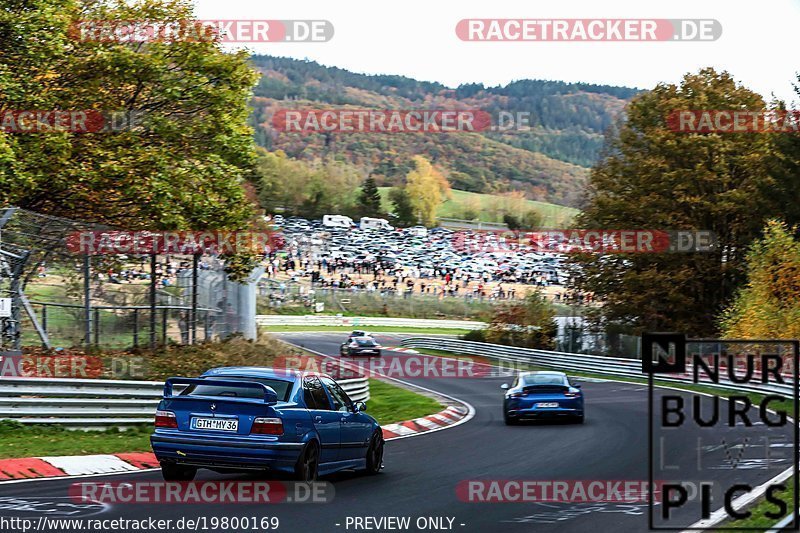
<point>375,223</point>
<point>337,221</point>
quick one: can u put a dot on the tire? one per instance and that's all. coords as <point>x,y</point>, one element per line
<point>307,467</point>
<point>378,354</point>
<point>173,472</point>
<point>509,421</point>
<point>579,419</point>
<point>375,454</point>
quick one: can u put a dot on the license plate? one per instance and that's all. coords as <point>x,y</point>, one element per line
<point>219,424</point>
<point>547,404</point>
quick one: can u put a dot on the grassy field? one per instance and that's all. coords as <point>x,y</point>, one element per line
<point>387,404</point>
<point>553,216</point>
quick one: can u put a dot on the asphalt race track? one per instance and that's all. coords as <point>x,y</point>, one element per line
<point>422,472</point>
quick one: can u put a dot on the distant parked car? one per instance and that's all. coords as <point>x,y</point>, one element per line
<point>248,418</point>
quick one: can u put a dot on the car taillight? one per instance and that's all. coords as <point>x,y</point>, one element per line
<point>516,395</point>
<point>572,394</point>
<point>354,345</point>
<point>166,419</point>
<point>267,426</point>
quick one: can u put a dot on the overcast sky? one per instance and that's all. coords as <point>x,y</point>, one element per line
<point>417,38</point>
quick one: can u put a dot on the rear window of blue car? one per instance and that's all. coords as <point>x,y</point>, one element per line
<point>282,388</point>
<point>543,379</point>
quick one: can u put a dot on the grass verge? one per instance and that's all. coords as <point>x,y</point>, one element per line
<point>18,440</point>
<point>388,403</point>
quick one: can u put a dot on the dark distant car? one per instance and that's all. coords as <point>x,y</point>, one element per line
<point>360,346</point>
<point>542,395</point>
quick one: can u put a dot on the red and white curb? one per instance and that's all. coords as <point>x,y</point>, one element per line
<point>454,414</point>
<point>401,350</point>
<point>75,465</point>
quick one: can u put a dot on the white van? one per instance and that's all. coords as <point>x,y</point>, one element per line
<point>375,223</point>
<point>337,221</point>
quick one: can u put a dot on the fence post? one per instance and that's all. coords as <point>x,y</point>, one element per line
<point>44,318</point>
<point>193,315</point>
<point>135,328</point>
<point>164,326</point>
<point>96,327</point>
<point>153,263</point>
<point>87,300</point>
<point>207,324</point>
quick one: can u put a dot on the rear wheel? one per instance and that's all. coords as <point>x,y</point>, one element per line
<point>375,453</point>
<point>307,465</point>
<point>509,421</point>
<point>173,472</point>
<point>579,419</point>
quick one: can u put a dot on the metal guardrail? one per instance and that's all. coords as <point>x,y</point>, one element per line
<point>357,321</point>
<point>84,403</point>
<point>575,362</point>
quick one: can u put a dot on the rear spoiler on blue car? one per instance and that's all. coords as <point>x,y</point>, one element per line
<point>270,396</point>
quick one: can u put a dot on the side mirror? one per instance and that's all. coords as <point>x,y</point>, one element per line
<point>505,386</point>
<point>359,406</point>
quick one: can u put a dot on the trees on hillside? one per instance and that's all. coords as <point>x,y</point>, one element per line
<point>655,178</point>
<point>181,166</point>
<point>426,187</point>
<point>369,199</point>
<point>403,209</point>
<point>768,305</point>
<point>309,189</point>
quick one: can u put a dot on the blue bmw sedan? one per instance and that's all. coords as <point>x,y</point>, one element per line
<point>539,395</point>
<point>251,418</point>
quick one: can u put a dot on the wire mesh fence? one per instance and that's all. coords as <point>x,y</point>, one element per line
<point>58,296</point>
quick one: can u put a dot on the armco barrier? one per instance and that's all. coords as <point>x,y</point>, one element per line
<point>569,362</point>
<point>358,321</point>
<point>84,403</point>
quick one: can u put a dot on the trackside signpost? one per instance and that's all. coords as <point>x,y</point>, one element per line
<point>745,438</point>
